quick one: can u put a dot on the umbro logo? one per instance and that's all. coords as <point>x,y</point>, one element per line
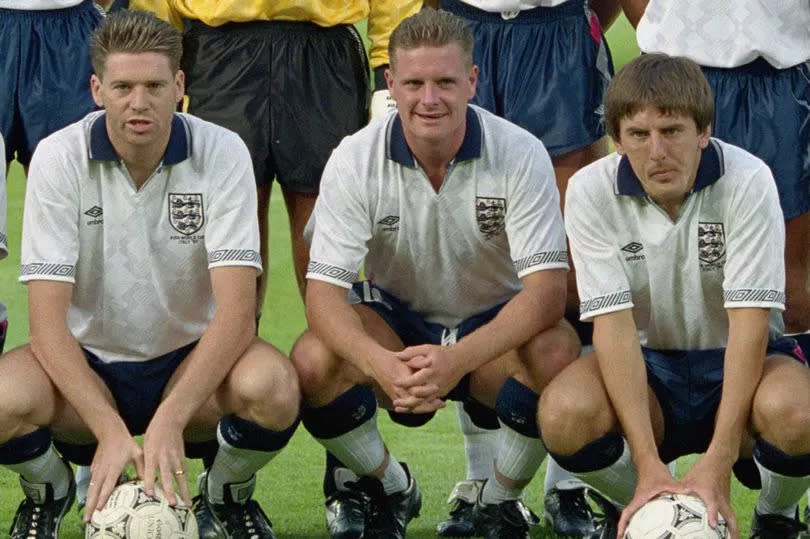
<point>390,223</point>
<point>633,248</point>
<point>95,212</point>
<point>359,413</point>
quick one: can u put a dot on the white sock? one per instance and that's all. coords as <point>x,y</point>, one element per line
<point>518,458</point>
<point>82,477</point>
<point>617,481</point>
<point>558,478</point>
<point>361,449</point>
<point>780,494</point>
<point>46,468</point>
<point>479,445</point>
<point>394,478</point>
<point>233,465</point>
<point>494,492</point>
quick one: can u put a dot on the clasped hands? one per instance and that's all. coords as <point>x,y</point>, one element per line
<point>420,378</point>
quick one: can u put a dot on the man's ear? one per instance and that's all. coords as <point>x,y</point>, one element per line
<point>95,90</point>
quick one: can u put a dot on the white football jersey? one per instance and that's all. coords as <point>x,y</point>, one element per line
<point>728,33</point>
<point>511,6</point>
<point>139,260</point>
<point>725,250</point>
<point>451,254</point>
<point>36,5</point>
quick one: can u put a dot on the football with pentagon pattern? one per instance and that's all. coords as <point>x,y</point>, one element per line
<point>130,513</point>
<point>673,516</point>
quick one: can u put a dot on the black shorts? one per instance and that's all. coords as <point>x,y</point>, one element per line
<point>44,73</point>
<point>291,90</point>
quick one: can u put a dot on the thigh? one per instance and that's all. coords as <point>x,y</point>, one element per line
<point>27,394</point>
<point>783,392</point>
<point>324,375</point>
<point>578,393</point>
<point>261,374</point>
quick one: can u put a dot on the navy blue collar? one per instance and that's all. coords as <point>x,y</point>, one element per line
<point>399,151</point>
<point>178,149</point>
<point>710,169</point>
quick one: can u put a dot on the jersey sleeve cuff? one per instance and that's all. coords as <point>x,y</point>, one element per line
<point>608,303</point>
<point>762,298</point>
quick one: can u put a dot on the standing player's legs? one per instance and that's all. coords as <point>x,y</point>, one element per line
<point>228,80</point>
<point>318,94</point>
<point>292,91</point>
<point>299,208</point>
<point>764,110</point>
<point>519,58</point>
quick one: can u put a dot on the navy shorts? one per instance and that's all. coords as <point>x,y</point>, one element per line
<point>688,386</point>
<point>137,386</point>
<point>291,90</point>
<point>44,73</point>
<point>765,110</point>
<point>137,389</point>
<point>413,329</point>
<point>545,69</point>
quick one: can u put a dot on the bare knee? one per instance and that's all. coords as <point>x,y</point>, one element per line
<point>783,419</point>
<point>572,414</point>
<point>317,367</point>
<point>25,394</point>
<point>266,388</point>
<point>547,354</point>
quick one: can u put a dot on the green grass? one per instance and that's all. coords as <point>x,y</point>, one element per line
<point>290,486</point>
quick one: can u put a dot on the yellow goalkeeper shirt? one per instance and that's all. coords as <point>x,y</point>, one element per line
<point>383,15</point>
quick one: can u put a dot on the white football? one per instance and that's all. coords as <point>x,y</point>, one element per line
<point>674,516</point>
<point>130,513</point>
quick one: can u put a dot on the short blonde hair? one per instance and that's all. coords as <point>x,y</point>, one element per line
<point>431,28</point>
<point>133,31</point>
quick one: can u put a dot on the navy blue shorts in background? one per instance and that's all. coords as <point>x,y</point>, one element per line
<point>44,73</point>
<point>765,111</point>
<point>544,69</point>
